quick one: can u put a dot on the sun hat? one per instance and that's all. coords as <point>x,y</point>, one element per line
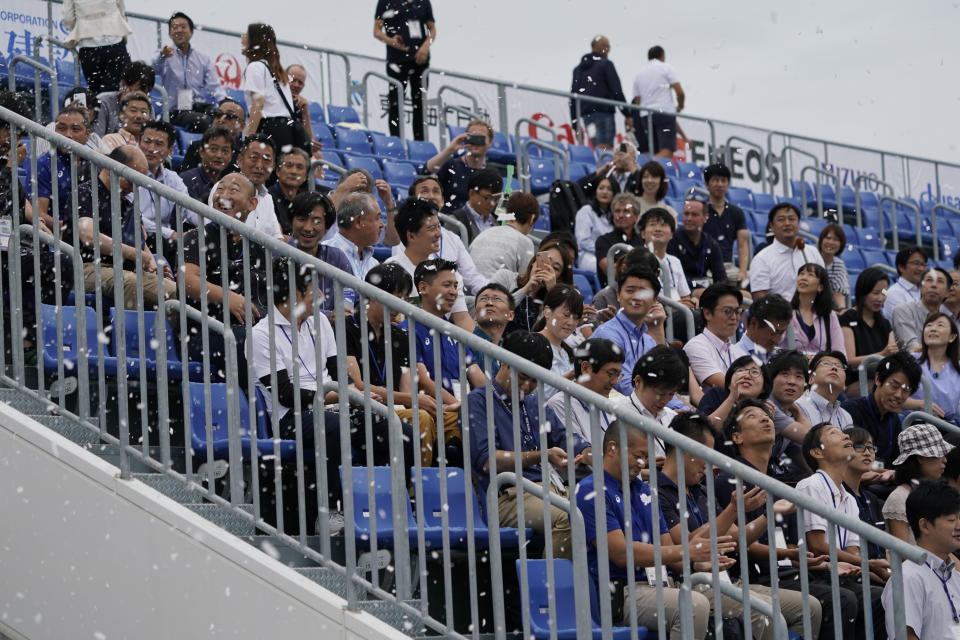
<point>922,439</point>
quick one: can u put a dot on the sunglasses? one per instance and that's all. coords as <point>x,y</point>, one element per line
<point>228,116</point>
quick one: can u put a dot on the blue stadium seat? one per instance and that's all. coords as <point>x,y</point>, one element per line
<point>683,184</point>
<point>238,95</point>
<point>869,199</point>
<point>131,340</point>
<point>322,132</point>
<point>363,162</point>
<point>381,252</point>
<point>185,138</point>
<point>316,112</point>
<point>500,150</point>
<point>756,222</point>
<point>740,196</point>
<point>400,174</point>
<point>763,202</point>
<point>813,225</point>
<point>336,115</point>
<point>582,153</point>
<point>65,73</point>
<point>220,428</point>
<point>533,150</point>
<point>71,343</point>
<point>541,175</point>
<point>689,170</point>
<point>796,188</point>
<point>587,283</point>
<point>827,195</point>
<point>383,497</point>
<point>420,151</point>
<point>564,597</point>
<point>855,260</point>
<point>543,220</point>
<point>580,170</point>
<point>388,147</point>
<point>353,140</point>
<point>669,166</point>
<point>869,238</point>
<point>872,257</point>
<point>456,508</point>
<point>334,156</point>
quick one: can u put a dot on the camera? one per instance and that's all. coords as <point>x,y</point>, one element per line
<point>476,140</point>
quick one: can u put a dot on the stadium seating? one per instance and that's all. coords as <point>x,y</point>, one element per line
<point>383,517</point>
<point>133,355</point>
<point>400,174</point>
<point>351,161</point>
<point>353,140</point>
<point>70,352</point>
<point>216,395</point>
<point>316,112</point>
<point>322,132</point>
<point>336,115</point>
<point>388,147</point>
<point>420,151</point>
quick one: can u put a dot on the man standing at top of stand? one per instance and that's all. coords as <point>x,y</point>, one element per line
<point>653,88</point>
<point>596,76</point>
<point>408,30</point>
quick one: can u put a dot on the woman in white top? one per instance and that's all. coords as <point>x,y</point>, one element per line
<point>562,310</point>
<point>593,220</point>
<point>266,89</point>
<point>922,456</point>
<point>652,188</point>
<point>99,30</point>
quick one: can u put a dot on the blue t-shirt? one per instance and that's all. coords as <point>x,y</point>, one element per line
<point>449,356</point>
<point>641,520</point>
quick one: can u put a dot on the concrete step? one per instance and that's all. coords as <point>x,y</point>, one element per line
<point>225,518</point>
<point>173,488</point>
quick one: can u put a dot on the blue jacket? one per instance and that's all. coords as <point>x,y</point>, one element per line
<point>595,76</point>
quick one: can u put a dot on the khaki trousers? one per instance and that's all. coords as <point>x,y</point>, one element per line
<point>533,515</point>
<point>150,297</point>
<point>428,431</point>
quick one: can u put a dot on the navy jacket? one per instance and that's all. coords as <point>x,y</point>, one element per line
<point>595,76</point>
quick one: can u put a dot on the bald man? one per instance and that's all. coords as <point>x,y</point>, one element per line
<point>94,234</point>
<point>596,76</point>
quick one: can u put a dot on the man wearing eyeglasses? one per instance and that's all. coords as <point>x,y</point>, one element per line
<point>911,264</point>
<point>229,115</point>
<point>711,353</point>
<point>493,310</point>
<point>898,377</point>
<point>827,380</point>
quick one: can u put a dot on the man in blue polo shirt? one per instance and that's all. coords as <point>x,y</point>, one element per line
<point>74,123</point>
<point>637,291</point>
<point>641,514</point>
<point>504,449</point>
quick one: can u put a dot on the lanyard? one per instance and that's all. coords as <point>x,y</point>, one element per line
<point>726,363</point>
<point>695,510</point>
<point>299,356</point>
<point>870,519</point>
<point>946,592</point>
<point>603,414</point>
<point>186,63</point>
<point>841,533</point>
<point>381,370</point>
<point>641,409</point>
<point>527,441</point>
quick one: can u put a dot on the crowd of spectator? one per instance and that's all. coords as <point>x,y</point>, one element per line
<point>769,376</point>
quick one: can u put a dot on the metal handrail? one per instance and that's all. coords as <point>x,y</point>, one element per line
<point>856,194</point>
<point>37,68</point>
<point>326,164</point>
<point>520,365</point>
<point>759,148</point>
<point>458,227</point>
<point>803,191</point>
<point>442,109</point>
<point>783,160</point>
<point>732,592</point>
<point>396,84</point>
<point>522,169</point>
<point>684,310</point>
<point>442,120</point>
<point>557,152</point>
<point>893,219</point>
<point>924,416</point>
<point>611,272</point>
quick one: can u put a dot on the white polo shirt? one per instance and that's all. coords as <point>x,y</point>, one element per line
<point>821,488</point>
<point>665,417</point>
<point>675,276</point>
<point>774,269</point>
<point>264,217</point>
<point>578,420</point>
<point>708,354</point>
<point>899,292</point>
<point>452,249</point>
<point>306,367</point>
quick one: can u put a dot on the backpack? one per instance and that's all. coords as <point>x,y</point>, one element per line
<point>566,198</point>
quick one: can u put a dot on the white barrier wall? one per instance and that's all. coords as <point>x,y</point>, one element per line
<point>84,554</point>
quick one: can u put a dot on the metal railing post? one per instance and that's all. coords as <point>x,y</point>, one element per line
<point>893,220</point>
<point>396,84</point>
<point>803,195</point>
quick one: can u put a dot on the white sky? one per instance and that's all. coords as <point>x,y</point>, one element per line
<point>850,71</point>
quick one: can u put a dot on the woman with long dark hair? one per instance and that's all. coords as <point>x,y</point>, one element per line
<point>562,310</point>
<point>593,220</point>
<point>815,324</point>
<point>266,88</point>
<point>865,330</point>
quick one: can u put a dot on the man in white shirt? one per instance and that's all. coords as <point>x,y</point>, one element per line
<point>656,227</point>
<point>774,269</point>
<point>507,246</point>
<point>711,353</point>
<point>827,450</point>
<point>419,229</point>
<point>657,376</point>
<point>156,141</point>
<point>596,366</point>
<point>911,265</point>
<point>654,88</point>
<point>256,160</point>
<point>769,318</point>
<point>451,246</point>
<point>827,381</point>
